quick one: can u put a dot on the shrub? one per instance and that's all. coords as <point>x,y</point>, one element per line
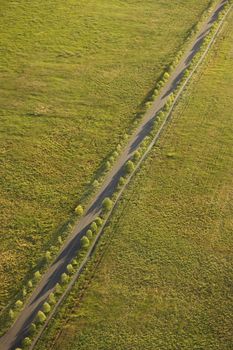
<point>48,256</point>
<point>52,299</point>
<point>24,292</point>
<point>37,275</point>
<point>167,107</point>
<point>58,289</point>
<point>26,342</point>
<point>19,304</point>
<point>89,234</point>
<point>53,248</point>
<point>129,167</point>
<point>94,227</point>
<point>171,155</point>
<point>85,242</point>
<point>95,183</point>
<point>64,278</point>
<point>59,240</point>
<point>79,210</point>
<point>118,148</point>
<point>30,285</point>
<point>148,104</point>
<point>74,262</point>
<point>70,269</point>
<point>160,115</point>
<point>111,159</point>
<point>136,155</point>
<point>107,165</point>
<point>122,181</point>
<point>166,75</point>
<point>41,317</point>
<point>11,314</point>
<point>32,328</point>
<point>46,308</point>
<point>99,221</point>
<point>156,91</point>
<point>115,154</point>
<point>107,204</point>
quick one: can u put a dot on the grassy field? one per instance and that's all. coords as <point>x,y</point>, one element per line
<point>73,75</point>
<point>165,281</point>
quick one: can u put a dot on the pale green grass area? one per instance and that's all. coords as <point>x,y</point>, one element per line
<point>73,75</point>
<point>165,281</point>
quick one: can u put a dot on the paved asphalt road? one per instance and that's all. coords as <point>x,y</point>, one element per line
<point>19,330</point>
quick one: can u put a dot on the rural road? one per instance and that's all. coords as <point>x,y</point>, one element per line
<point>19,330</point>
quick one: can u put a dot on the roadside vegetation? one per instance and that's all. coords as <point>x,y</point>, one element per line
<point>165,277</point>
<point>73,78</point>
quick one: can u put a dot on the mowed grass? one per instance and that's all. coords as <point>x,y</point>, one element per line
<point>73,75</point>
<point>165,281</point>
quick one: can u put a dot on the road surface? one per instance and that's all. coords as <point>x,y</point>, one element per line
<point>19,330</point>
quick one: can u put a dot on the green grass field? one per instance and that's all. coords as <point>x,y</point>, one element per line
<point>165,281</point>
<point>73,76</point>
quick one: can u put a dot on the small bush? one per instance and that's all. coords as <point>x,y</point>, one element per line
<point>79,210</point>
<point>24,292</point>
<point>95,183</point>
<point>52,299</point>
<point>59,240</point>
<point>115,154</point>
<point>37,275</point>
<point>53,249</point>
<point>32,328</point>
<point>74,262</point>
<point>167,107</point>
<point>64,278</point>
<point>70,269</point>
<point>48,256</point>
<point>148,104</point>
<point>26,342</point>
<point>46,308</point>
<point>98,221</point>
<point>94,227</point>
<point>107,165</point>
<point>19,304</point>
<point>166,75</point>
<point>58,289</point>
<point>41,317</point>
<point>11,314</point>
<point>121,181</point>
<point>171,155</point>
<point>30,285</point>
<point>118,148</point>
<point>129,167</point>
<point>111,159</point>
<point>89,234</point>
<point>136,155</point>
<point>85,242</point>
<point>160,115</point>
<point>107,204</point>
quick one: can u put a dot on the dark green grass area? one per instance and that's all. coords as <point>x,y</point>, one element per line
<point>73,75</point>
<point>165,281</point>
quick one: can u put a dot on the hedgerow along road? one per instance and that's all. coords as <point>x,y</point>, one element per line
<point>19,329</point>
